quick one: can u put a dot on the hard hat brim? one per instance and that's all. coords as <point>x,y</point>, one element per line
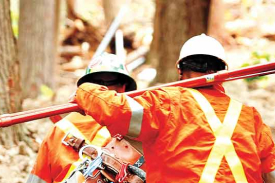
<point>130,82</point>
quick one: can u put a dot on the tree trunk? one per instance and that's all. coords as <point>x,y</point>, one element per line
<point>216,27</point>
<point>175,22</point>
<point>70,10</point>
<point>38,30</point>
<point>10,91</point>
<point>111,9</point>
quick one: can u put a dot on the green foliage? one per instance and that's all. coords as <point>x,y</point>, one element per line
<point>46,91</point>
<point>257,58</point>
<point>14,16</point>
<point>14,19</point>
<point>257,78</point>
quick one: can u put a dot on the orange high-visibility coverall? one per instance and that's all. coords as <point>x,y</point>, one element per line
<point>54,158</point>
<point>177,138</point>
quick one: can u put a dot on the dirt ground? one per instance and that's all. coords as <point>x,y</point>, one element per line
<point>16,162</point>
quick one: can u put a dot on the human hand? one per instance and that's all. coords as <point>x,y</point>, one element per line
<point>73,100</point>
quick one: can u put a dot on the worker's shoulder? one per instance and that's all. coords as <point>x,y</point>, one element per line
<point>77,120</point>
<point>174,89</point>
<point>77,117</point>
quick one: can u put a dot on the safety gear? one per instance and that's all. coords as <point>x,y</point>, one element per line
<point>108,63</point>
<point>223,139</point>
<point>177,136</point>
<point>54,159</point>
<point>116,162</point>
<point>202,45</point>
<point>64,160</point>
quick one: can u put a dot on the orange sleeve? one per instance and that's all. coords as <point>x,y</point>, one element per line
<point>266,145</point>
<point>105,107</point>
<point>117,113</point>
<point>156,104</point>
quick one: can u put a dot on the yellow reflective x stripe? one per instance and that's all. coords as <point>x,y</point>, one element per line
<point>66,126</point>
<point>72,168</point>
<point>223,145</point>
<point>101,136</point>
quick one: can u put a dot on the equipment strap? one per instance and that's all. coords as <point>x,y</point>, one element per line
<point>68,128</point>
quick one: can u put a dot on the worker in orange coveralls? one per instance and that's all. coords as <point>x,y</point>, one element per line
<point>189,135</point>
<point>56,160</point>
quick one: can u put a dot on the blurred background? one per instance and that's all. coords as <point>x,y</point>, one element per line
<point>45,46</point>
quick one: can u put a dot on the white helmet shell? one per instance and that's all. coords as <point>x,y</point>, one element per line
<point>202,45</point>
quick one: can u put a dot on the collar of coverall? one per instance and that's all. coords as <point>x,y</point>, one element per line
<point>216,89</point>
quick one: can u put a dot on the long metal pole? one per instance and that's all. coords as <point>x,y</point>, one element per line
<point>224,76</point>
<point>111,31</point>
<point>15,118</point>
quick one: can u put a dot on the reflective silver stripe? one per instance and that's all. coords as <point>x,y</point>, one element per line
<point>35,179</point>
<point>136,118</point>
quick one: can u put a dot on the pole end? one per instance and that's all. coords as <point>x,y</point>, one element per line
<point>5,120</point>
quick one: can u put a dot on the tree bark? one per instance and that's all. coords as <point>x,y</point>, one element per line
<point>10,90</point>
<point>216,27</point>
<point>38,30</point>
<point>175,22</point>
<point>70,10</point>
<point>111,9</point>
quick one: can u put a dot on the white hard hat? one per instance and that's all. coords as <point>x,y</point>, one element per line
<point>202,45</point>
